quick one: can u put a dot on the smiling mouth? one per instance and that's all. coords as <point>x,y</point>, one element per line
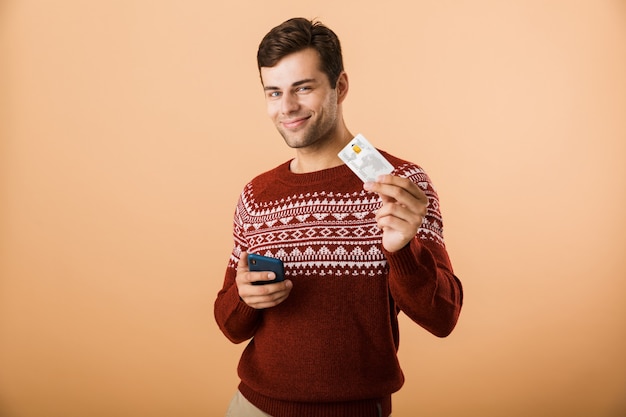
<point>294,123</point>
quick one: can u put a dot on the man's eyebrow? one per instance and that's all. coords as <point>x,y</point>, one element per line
<point>305,81</point>
<point>296,84</point>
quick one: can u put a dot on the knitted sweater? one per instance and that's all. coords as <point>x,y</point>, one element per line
<point>330,349</point>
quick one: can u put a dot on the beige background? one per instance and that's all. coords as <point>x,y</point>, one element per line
<point>128,128</point>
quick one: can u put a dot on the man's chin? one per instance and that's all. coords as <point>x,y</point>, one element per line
<point>293,140</point>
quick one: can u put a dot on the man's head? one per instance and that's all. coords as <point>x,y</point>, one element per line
<point>297,34</point>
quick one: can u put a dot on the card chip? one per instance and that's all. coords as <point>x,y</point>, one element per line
<point>364,159</point>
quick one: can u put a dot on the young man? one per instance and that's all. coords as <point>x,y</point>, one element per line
<point>324,341</point>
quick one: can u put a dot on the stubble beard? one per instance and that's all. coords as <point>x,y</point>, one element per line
<point>310,137</point>
<point>316,134</point>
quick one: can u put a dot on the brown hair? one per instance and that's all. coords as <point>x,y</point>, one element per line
<point>297,34</point>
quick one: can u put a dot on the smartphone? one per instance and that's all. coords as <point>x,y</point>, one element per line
<point>265,263</point>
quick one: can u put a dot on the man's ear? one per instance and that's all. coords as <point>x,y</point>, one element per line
<point>342,87</point>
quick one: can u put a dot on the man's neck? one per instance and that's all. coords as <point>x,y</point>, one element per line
<point>311,160</point>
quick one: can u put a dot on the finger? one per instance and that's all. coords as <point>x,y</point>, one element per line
<point>390,223</point>
<point>402,207</point>
<point>254,278</point>
<point>244,274</point>
<point>400,188</point>
<point>243,262</point>
<point>394,210</point>
<point>406,198</point>
<point>377,188</point>
<point>268,292</point>
<point>263,303</point>
<point>258,277</point>
<point>266,295</point>
<point>400,215</point>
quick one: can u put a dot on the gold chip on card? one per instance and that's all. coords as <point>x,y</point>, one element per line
<point>364,159</point>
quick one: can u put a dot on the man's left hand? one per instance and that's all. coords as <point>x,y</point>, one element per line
<point>403,210</point>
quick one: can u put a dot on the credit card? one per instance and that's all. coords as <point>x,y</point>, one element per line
<point>364,159</point>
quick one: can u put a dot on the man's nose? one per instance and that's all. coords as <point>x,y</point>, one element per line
<point>289,103</point>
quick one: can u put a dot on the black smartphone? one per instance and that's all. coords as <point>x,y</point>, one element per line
<point>265,263</point>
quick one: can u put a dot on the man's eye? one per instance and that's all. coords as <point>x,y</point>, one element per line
<point>303,89</point>
<point>273,94</point>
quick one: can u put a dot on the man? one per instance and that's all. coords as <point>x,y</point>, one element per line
<point>324,341</point>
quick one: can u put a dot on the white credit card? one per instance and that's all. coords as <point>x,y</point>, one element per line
<point>364,159</point>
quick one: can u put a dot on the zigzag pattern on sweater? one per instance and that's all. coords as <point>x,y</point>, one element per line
<point>324,232</point>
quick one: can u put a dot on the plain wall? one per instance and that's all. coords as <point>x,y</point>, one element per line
<point>129,127</point>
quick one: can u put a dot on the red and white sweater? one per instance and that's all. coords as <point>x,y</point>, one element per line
<point>330,349</point>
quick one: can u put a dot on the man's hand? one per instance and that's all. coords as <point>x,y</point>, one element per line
<point>403,210</point>
<point>260,296</point>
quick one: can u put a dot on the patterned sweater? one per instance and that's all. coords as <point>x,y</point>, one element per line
<point>330,349</point>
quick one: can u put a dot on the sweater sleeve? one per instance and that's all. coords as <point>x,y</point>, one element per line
<point>236,319</point>
<point>421,279</point>
<point>424,287</point>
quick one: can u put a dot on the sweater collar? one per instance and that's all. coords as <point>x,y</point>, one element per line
<point>324,175</point>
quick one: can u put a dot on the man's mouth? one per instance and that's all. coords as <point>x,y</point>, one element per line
<point>294,123</point>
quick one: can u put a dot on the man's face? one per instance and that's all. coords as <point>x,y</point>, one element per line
<point>299,99</point>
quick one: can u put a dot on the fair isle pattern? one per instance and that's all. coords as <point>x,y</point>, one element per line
<point>432,226</point>
<point>323,232</point>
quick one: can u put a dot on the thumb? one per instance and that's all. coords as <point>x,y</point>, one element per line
<point>243,261</point>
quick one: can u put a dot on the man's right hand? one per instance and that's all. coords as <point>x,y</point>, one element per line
<point>260,296</point>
